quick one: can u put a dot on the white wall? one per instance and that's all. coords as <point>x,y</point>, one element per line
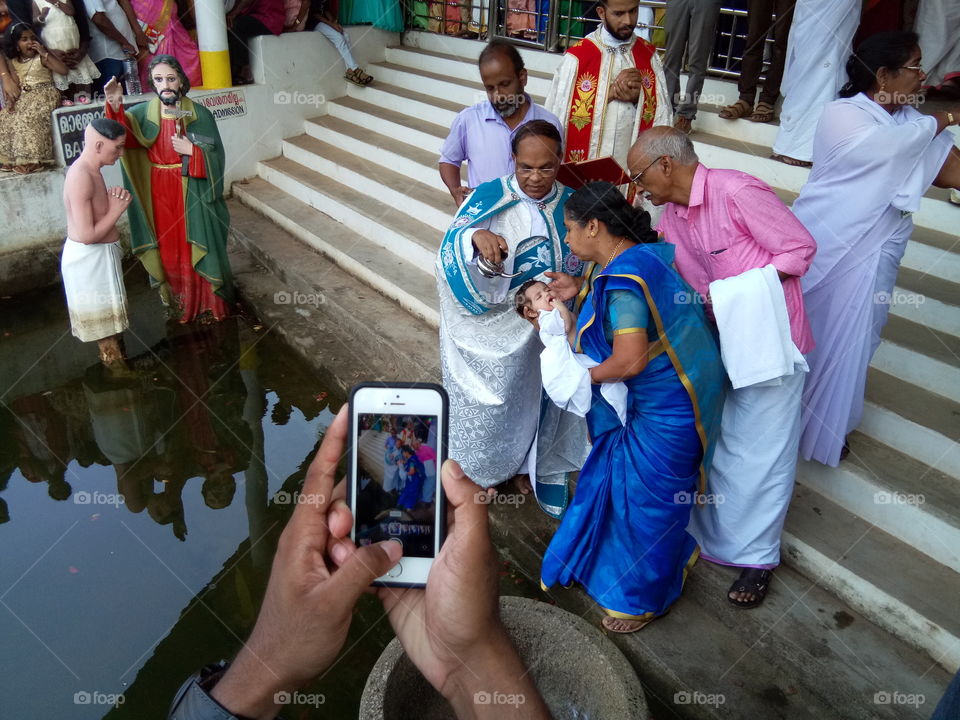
<point>294,74</point>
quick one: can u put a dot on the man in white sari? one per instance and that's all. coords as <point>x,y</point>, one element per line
<point>489,354</point>
<point>90,264</point>
<point>609,87</point>
<point>878,155</point>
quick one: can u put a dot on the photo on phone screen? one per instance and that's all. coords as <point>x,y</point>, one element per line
<point>397,466</point>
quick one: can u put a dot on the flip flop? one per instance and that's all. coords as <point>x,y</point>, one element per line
<point>787,160</point>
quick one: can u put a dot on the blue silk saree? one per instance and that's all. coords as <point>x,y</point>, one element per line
<point>624,535</point>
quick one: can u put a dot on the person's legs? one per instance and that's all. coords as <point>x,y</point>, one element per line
<point>759,15</point>
<point>703,27</point>
<point>677,26</point>
<point>778,56</point>
<point>340,42</point>
<point>244,28</point>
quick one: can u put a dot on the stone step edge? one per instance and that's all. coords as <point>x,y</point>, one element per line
<point>376,281</point>
<point>896,617</point>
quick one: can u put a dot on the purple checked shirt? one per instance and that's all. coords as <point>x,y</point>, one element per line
<point>481,137</point>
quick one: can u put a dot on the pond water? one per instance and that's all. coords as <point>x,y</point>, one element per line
<point>139,511</point>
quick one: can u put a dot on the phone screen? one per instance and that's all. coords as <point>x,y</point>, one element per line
<point>396,488</point>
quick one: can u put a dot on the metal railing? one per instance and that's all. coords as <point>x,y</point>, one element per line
<point>554,25</point>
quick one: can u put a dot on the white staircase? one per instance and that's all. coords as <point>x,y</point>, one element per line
<point>882,531</point>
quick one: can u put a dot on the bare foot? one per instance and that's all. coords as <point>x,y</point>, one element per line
<point>619,625</point>
<point>522,483</point>
<point>111,350</point>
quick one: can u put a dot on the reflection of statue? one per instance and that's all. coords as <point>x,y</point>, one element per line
<point>166,507</point>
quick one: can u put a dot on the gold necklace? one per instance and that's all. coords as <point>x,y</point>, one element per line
<point>613,254</point>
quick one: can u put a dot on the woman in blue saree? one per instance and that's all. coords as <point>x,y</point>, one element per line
<point>623,537</point>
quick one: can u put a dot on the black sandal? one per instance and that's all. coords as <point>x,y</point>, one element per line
<point>751,580</point>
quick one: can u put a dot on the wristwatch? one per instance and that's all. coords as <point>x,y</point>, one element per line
<point>193,702</point>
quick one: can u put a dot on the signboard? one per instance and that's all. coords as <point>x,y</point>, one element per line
<point>70,122</point>
<point>224,105</point>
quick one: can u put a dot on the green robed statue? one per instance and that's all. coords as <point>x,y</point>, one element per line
<point>174,169</point>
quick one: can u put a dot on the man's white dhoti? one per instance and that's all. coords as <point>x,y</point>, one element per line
<point>815,70</point>
<point>93,283</point>
<point>938,25</point>
<point>751,479</point>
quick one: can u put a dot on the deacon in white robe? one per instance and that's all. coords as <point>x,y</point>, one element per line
<point>938,25</point>
<point>598,125</point>
<point>90,263</point>
<point>880,164</point>
<point>817,52</point>
<point>489,354</point>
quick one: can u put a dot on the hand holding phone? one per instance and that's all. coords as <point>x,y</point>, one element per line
<point>398,440</point>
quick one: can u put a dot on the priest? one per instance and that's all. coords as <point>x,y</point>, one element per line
<point>609,87</point>
<point>489,354</point>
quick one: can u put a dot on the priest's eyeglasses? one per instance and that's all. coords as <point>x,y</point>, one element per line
<point>638,178</point>
<point>541,171</point>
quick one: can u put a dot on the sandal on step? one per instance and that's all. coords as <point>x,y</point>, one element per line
<point>365,77</point>
<point>739,109</point>
<point>763,112</point>
<point>751,580</point>
<point>786,159</point>
<point>356,76</point>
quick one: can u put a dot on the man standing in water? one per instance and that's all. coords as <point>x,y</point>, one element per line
<point>90,264</point>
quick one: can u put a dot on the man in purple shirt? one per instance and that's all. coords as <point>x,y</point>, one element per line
<point>724,223</point>
<point>481,133</point>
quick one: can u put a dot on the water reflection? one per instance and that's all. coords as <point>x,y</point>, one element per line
<point>147,554</point>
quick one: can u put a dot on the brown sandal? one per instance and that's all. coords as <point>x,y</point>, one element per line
<point>787,160</point>
<point>736,111</point>
<point>763,113</point>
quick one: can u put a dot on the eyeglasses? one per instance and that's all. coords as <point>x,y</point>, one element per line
<point>543,172</point>
<point>918,68</point>
<point>638,178</point>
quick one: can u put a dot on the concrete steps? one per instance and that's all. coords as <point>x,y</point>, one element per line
<point>361,186</point>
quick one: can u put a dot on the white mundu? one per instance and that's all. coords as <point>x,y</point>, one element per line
<point>616,130</point>
<point>938,25</point>
<point>815,70</point>
<point>93,284</point>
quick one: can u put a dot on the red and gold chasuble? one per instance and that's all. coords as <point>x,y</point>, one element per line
<point>583,111</point>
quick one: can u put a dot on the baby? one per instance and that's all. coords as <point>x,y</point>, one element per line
<point>534,297</point>
<point>565,374</point>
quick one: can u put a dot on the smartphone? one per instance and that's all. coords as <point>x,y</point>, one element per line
<point>398,441</point>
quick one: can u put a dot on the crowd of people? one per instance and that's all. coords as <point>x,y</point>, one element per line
<point>693,445</point>
<point>670,339</point>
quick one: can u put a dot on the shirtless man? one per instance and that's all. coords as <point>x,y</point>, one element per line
<point>90,264</point>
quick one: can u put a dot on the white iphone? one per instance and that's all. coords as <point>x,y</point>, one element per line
<point>398,441</point>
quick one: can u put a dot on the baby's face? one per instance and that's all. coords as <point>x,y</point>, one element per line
<point>539,297</point>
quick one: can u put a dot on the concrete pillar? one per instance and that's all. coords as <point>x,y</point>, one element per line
<point>212,39</point>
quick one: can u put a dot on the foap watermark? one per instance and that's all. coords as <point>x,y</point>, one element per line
<point>482,497</point>
<point>884,97</point>
<point>898,297</point>
<point>498,698</point>
<point>284,297</point>
<point>895,697</point>
<point>299,698</point>
<point>885,497</point>
<point>298,498</point>
<point>693,498</point>
<point>282,97</point>
<point>695,697</point>
<point>95,697</point>
<point>688,298</point>
<point>97,498</point>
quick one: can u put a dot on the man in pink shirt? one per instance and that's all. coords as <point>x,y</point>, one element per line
<point>724,223</point>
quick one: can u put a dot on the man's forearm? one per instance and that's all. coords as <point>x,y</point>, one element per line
<point>108,28</point>
<point>450,175</point>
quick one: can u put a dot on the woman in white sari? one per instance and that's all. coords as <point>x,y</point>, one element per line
<point>874,156</point>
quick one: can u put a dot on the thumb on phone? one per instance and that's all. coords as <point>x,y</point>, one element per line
<point>366,564</point>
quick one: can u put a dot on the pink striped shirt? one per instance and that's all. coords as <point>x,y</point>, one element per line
<point>734,223</point>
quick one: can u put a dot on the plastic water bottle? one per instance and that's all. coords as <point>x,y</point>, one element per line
<point>131,75</point>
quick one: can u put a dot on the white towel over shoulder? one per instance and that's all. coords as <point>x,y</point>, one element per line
<point>566,374</point>
<point>755,341</point>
